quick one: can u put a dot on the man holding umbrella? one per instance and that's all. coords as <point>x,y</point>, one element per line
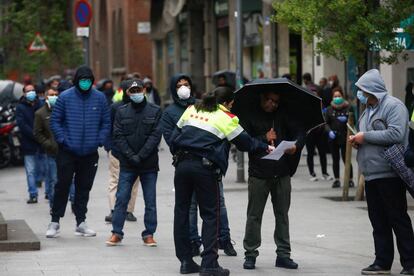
<point>272,120</point>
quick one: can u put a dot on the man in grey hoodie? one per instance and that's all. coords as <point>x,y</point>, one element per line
<point>383,124</point>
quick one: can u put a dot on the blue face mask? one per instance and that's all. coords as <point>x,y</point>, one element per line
<point>361,97</point>
<point>52,100</point>
<point>31,96</point>
<point>137,97</point>
<point>338,100</point>
<point>85,84</point>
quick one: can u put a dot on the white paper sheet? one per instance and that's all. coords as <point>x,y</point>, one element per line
<point>280,150</point>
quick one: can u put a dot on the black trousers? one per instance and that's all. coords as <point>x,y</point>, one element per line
<point>191,175</point>
<point>83,169</point>
<point>316,140</point>
<point>338,151</point>
<point>387,210</point>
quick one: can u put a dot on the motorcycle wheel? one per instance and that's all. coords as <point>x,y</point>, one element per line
<point>5,155</point>
<point>17,157</point>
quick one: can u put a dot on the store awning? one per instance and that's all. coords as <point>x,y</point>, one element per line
<point>163,16</point>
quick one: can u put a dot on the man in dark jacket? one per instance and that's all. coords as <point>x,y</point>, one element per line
<point>151,92</point>
<point>25,119</point>
<point>44,137</point>
<point>136,136</point>
<point>114,163</point>
<point>270,125</point>
<point>80,123</point>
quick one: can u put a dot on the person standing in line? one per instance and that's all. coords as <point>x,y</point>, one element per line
<point>80,123</point>
<point>114,162</point>
<point>151,92</point>
<point>25,110</point>
<point>383,123</point>
<point>136,136</point>
<point>44,137</point>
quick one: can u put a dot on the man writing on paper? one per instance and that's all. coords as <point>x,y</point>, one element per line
<point>270,124</point>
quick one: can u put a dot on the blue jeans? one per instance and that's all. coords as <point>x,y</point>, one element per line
<point>30,167</point>
<point>50,178</point>
<point>123,195</point>
<point>224,231</point>
<point>41,166</point>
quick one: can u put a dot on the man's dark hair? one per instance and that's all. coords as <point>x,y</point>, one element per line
<point>307,77</point>
<point>223,94</point>
<point>208,103</point>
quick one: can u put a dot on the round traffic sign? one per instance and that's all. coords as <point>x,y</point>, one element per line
<point>83,13</point>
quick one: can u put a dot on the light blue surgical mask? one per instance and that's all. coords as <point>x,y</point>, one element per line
<point>85,84</point>
<point>361,97</point>
<point>137,97</point>
<point>52,100</point>
<point>31,96</point>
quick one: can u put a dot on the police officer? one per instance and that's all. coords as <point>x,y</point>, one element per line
<point>200,144</point>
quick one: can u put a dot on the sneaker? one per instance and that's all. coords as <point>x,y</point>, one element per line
<point>52,230</point>
<point>149,241</point>
<point>249,262</point>
<point>108,218</point>
<point>375,270</point>
<point>336,184</point>
<point>351,184</point>
<point>114,240</point>
<point>84,231</point>
<point>313,177</point>
<point>189,266</point>
<point>228,248</point>
<point>406,271</point>
<point>327,177</point>
<point>130,217</point>
<point>217,271</point>
<point>286,263</point>
<point>32,200</point>
<point>195,248</point>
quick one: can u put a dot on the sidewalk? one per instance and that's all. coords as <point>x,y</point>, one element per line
<point>328,237</point>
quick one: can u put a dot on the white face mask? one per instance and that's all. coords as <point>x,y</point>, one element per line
<point>184,92</point>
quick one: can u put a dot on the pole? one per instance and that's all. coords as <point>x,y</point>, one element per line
<point>348,160</point>
<point>239,78</point>
<point>86,50</point>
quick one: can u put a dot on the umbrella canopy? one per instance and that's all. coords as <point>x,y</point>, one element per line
<point>303,107</point>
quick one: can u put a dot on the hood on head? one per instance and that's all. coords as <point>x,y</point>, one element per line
<point>372,83</point>
<point>173,89</point>
<point>83,72</point>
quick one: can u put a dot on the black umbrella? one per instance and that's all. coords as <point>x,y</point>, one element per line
<point>303,107</point>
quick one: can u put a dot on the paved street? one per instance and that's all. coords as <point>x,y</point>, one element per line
<point>328,237</point>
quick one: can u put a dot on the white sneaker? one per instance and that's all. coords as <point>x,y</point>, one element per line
<point>83,230</point>
<point>313,178</point>
<point>327,177</point>
<point>52,230</point>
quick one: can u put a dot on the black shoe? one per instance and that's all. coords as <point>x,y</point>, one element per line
<point>189,266</point>
<point>228,248</point>
<point>108,218</point>
<point>217,271</point>
<point>195,248</point>
<point>32,200</point>
<point>286,263</point>
<point>407,271</point>
<point>130,217</point>
<point>351,184</point>
<point>336,184</point>
<point>249,262</point>
<point>39,184</point>
<point>375,269</point>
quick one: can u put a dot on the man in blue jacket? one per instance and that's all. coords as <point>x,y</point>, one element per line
<point>25,111</point>
<point>80,123</point>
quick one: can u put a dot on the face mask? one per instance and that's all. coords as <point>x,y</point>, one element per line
<point>330,83</point>
<point>52,100</point>
<point>85,84</point>
<point>137,97</point>
<point>361,97</point>
<point>31,96</point>
<point>184,92</point>
<point>338,100</point>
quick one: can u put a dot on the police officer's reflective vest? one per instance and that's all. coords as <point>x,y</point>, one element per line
<point>119,93</point>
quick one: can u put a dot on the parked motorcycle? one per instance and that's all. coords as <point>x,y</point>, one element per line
<point>10,152</point>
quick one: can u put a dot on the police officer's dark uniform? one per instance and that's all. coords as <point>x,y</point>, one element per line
<point>201,146</point>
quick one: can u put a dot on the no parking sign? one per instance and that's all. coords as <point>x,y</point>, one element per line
<point>83,13</point>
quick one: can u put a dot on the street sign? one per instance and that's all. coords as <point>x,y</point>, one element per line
<point>38,44</point>
<point>83,13</point>
<point>403,38</point>
<point>82,31</point>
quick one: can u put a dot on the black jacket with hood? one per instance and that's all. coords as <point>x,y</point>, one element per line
<point>174,111</point>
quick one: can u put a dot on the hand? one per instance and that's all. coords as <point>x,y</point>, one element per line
<point>271,136</point>
<point>292,150</point>
<point>357,139</point>
<point>342,119</point>
<point>135,160</point>
<point>332,135</point>
<point>270,149</point>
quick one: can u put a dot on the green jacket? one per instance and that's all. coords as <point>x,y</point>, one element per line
<point>42,132</point>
